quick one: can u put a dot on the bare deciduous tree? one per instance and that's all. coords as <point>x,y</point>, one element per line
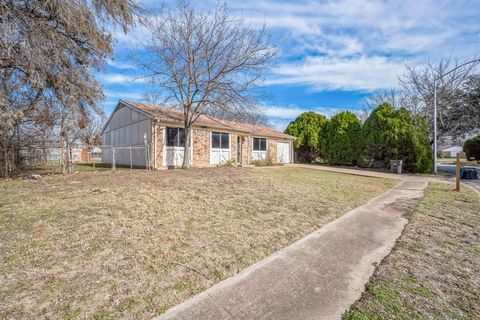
<point>90,135</point>
<point>391,96</point>
<point>205,63</point>
<point>457,115</point>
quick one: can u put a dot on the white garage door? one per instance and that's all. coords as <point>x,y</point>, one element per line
<point>283,152</point>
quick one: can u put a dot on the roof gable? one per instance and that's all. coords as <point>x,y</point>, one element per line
<point>120,104</point>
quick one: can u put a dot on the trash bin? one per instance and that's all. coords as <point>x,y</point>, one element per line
<point>396,166</point>
<point>468,174</point>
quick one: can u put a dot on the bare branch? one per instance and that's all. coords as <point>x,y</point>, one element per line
<point>206,63</point>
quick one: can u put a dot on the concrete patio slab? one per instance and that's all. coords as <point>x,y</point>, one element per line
<point>319,276</point>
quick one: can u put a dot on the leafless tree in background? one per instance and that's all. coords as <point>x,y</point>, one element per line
<point>458,107</point>
<point>205,63</point>
<point>392,96</point>
<point>48,50</point>
<point>91,134</point>
<point>254,116</point>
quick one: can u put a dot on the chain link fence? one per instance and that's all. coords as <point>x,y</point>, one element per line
<point>81,158</point>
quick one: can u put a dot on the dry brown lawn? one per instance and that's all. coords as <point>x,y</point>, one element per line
<point>433,271</point>
<point>134,243</point>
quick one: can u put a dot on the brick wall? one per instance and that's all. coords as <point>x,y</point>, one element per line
<point>159,159</point>
<point>233,147</point>
<point>201,147</point>
<point>272,151</point>
<point>245,152</point>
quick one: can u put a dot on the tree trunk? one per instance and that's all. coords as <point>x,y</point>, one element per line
<point>6,161</point>
<point>186,154</point>
<point>62,150</point>
<point>16,160</point>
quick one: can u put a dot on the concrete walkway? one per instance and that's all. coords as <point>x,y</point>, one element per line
<point>318,277</point>
<point>357,172</point>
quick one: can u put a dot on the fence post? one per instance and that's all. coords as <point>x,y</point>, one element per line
<point>457,173</point>
<point>131,163</point>
<point>113,158</point>
<point>70,159</point>
<point>146,158</point>
<point>93,157</point>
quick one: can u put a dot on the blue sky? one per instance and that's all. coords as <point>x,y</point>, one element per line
<point>332,53</point>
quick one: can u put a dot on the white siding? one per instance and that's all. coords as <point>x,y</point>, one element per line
<point>126,129</point>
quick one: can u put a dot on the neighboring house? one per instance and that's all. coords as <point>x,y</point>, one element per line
<point>84,154</point>
<point>132,126</point>
<point>450,151</point>
<point>77,154</point>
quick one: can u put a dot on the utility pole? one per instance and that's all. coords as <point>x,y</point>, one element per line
<point>435,126</point>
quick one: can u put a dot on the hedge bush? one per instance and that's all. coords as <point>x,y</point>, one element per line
<point>397,134</point>
<point>341,139</point>
<point>472,148</point>
<point>387,134</point>
<point>307,128</point>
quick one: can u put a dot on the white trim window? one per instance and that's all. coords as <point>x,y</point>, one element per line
<point>259,149</point>
<point>220,149</point>
<point>174,146</point>
<point>175,137</point>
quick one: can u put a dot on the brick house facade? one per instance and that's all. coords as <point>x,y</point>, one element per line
<point>214,141</point>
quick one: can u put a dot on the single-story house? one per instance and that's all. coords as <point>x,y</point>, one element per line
<point>142,134</point>
<point>450,151</point>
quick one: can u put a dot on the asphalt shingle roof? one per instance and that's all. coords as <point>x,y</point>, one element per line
<point>171,115</point>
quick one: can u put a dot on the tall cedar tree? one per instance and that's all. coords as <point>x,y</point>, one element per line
<point>341,142</point>
<point>307,128</point>
<point>48,50</point>
<point>391,133</point>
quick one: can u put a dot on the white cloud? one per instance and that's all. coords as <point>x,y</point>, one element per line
<point>120,65</point>
<point>362,44</point>
<point>133,39</point>
<point>362,73</point>
<point>117,78</point>
<point>125,95</point>
<point>345,44</point>
<point>291,112</point>
<point>282,112</point>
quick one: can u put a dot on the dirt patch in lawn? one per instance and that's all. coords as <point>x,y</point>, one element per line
<point>134,243</point>
<point>433,271</point>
